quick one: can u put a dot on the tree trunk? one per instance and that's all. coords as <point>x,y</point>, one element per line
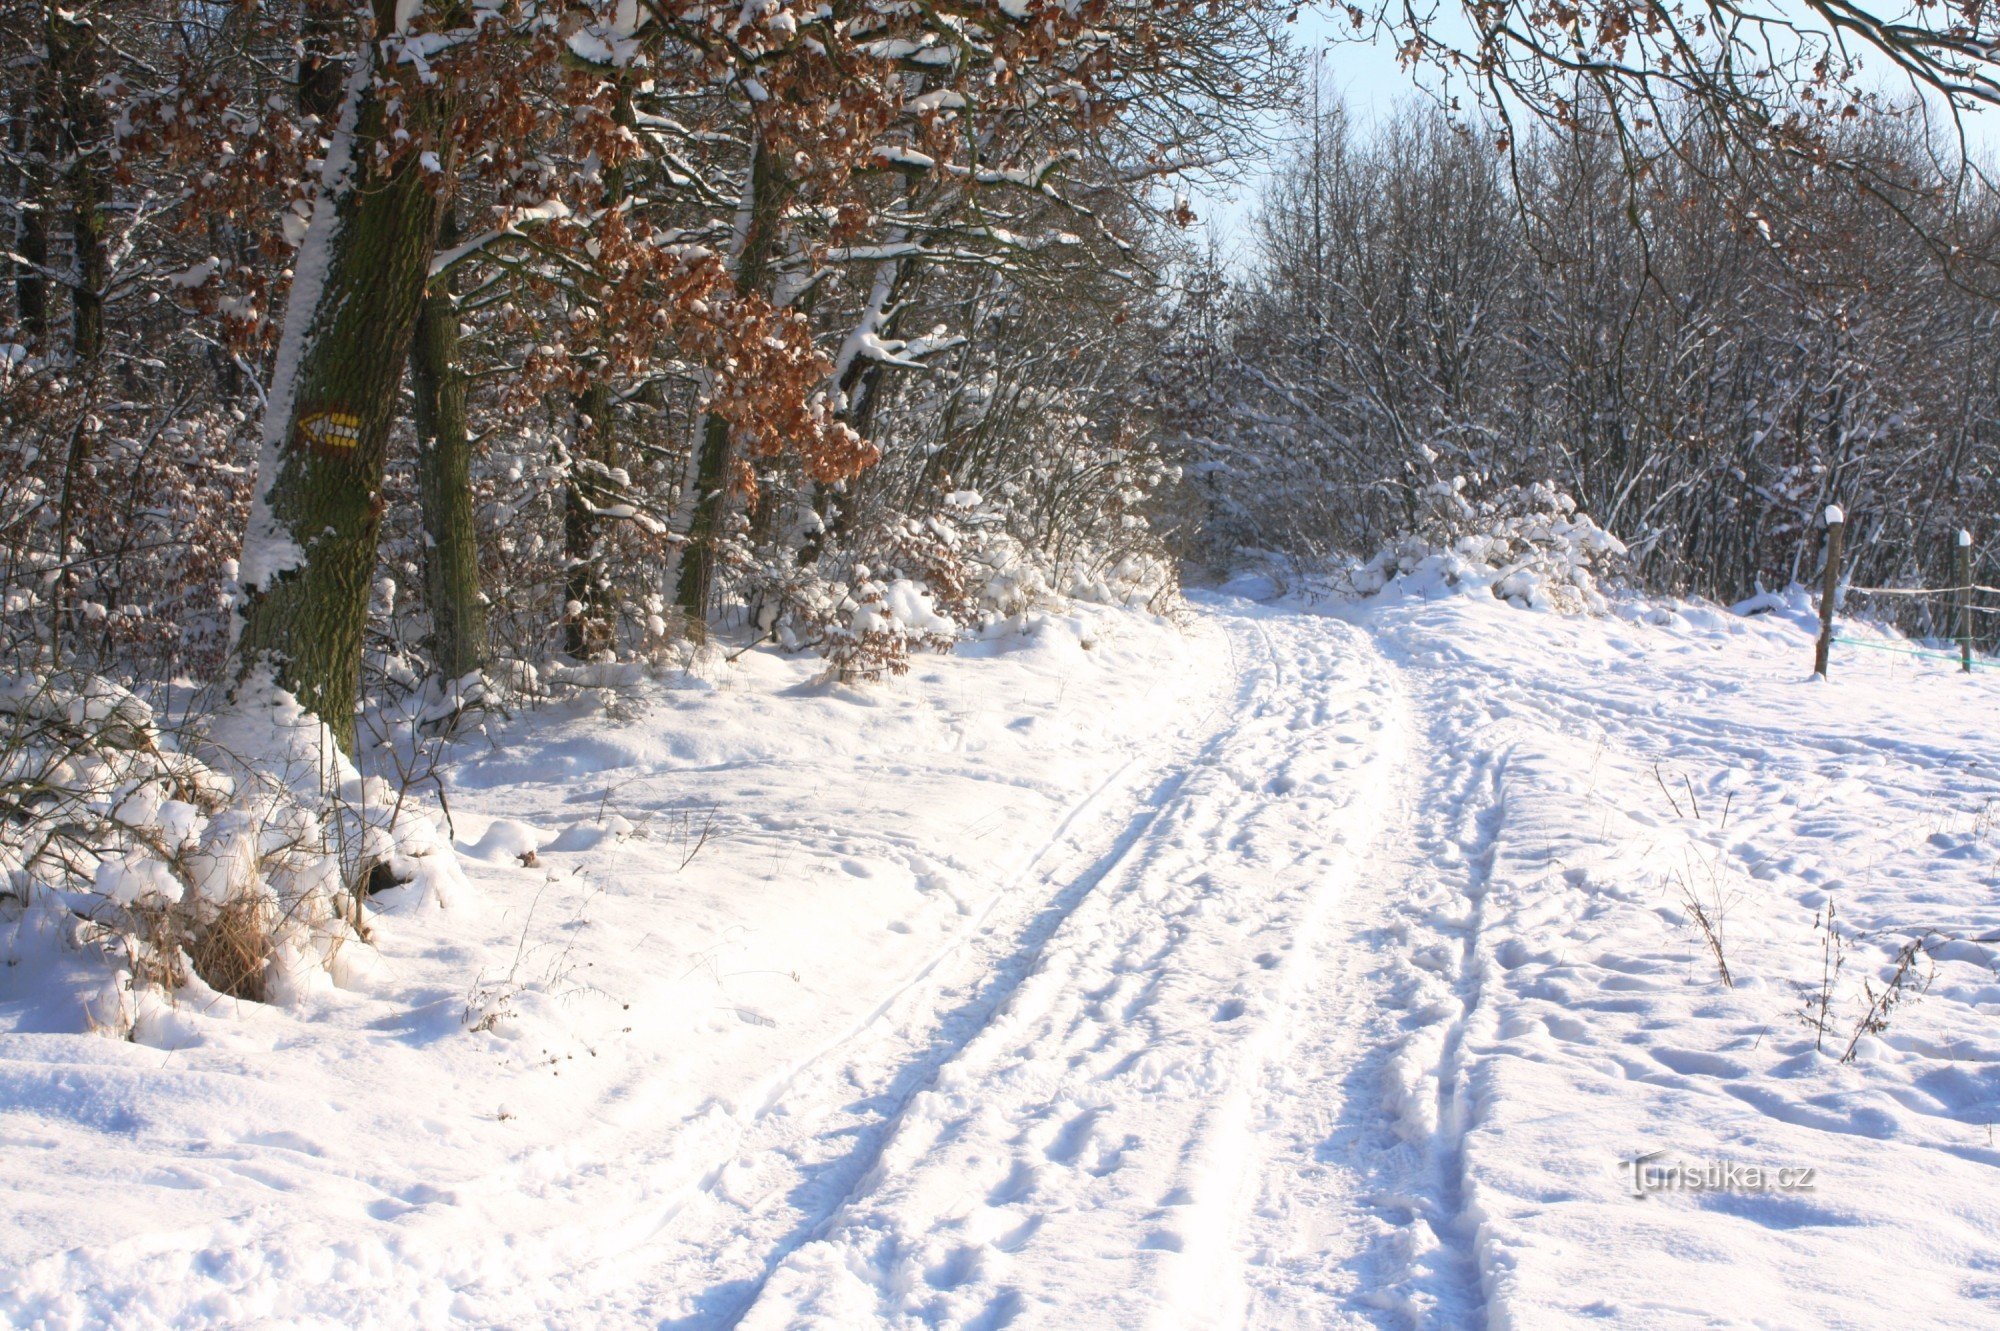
<point>697,571</point>
<point>588,628</point>
<point>317,507</point>
<point>81,130</point>
<point>444,483</point>
<point>72,46</point>
<point>31,230</point>
<point>320,79</point>
<point>758,232</point>
<point>586,619</point>
<point>858,378</point>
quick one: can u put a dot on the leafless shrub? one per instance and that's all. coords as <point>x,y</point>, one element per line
<point>232,952</point>
<point>1904,983</point>
<point>691,836</point>
<point>1702,876</point>
<point>490,1001</point>
<point>1708,919</point>
<point>1817,1012</point>
<point>174,855</point>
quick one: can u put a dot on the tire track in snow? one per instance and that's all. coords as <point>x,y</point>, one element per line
<point>1482,812</point>
<point>1426,1264</point>
<point>1082,1154</point>
<point>1358,1217</point>
<point>1305,1237</point>
<point>1285,1208</point>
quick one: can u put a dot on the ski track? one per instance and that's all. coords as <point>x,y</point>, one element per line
<point>1098,1074</point>
<point>730,1194</point>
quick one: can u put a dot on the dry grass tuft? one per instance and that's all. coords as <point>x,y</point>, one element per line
<point>232,952</point>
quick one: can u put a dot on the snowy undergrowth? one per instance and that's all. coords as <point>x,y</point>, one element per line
<point>1527,545</point>
<point>1681,898</point>
<point>925,581</point>
<point>151,870</point>
<point>682,890</point>
<point>1290,972</point>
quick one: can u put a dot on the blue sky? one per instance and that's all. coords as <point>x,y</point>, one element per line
<point>1366,76</point>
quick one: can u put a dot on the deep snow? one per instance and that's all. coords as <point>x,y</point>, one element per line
<point>1304,966</point>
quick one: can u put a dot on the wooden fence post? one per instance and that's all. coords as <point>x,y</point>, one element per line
<point>1964,566</point>
<point>1836,524</point>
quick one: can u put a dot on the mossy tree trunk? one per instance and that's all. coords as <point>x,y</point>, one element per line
<point>444,482</point>
<point>317,509</point>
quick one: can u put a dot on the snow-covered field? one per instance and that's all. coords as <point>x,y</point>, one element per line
<point>1294,967</point>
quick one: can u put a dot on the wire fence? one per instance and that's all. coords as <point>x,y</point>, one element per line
<point>1847,591</point>
<point>1924,653</point>
<point>1952,606</point>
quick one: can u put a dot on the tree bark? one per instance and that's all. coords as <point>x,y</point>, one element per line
<point>860,380</point>
<point>444,482</point>
<point>697,572</point>
<point>317,508</point>
<point>320,78</point>
<point>860,386</point>
<point>81,129</point>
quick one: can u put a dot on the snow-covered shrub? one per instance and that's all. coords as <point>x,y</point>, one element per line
<point>924,582</point>
<point>1527,544</point>
<point>867,612</point>
<point>221,860</point>
<point>119,521</point>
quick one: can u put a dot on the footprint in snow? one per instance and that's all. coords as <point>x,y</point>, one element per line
<point>1693,1063</point>
<point>1020,1181</point>
<point>1075,1136</point>
<point>960,1265</point>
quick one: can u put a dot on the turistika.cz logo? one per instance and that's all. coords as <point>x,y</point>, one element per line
<point>1655,1172</point>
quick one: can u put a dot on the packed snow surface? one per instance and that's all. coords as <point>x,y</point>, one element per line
<point>1300,966</point>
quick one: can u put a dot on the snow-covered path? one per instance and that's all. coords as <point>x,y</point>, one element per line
<point>819,1151</point>
<point>1281,1055</point>
<point>1290,970</point>
<point>1090,1154</point>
